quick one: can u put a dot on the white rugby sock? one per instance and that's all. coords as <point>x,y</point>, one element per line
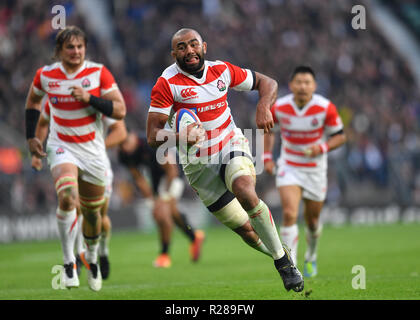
<point>263,223</point>
<point>290,237</point>
<point>67,229</point>
<point>92,245</point>
<point>103,243</point>
<point>312,238</point>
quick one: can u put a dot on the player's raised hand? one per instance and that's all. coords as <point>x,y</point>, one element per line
<point>36,163</point>
<point>79,94</point>
<point>264,119</point>
<point>35,148</point>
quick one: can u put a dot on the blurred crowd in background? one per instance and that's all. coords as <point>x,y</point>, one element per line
<point>357,70</point>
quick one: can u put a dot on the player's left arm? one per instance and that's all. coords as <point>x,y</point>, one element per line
<point>117,134</point>
<point>245,80</point>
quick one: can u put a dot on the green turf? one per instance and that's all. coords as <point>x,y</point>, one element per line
<point>228,269</point>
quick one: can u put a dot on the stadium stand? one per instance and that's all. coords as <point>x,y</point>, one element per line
<point>357,69</point>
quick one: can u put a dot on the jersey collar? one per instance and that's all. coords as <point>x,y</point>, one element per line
<point>301,111</point>
<point>198,80</point>
<point>74,74</point>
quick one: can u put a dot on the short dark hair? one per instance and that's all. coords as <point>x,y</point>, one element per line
<point>66,34</point>
<point>302,69</point>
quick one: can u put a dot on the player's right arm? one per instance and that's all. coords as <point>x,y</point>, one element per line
<point>33,108</point>
<point>162,101</point>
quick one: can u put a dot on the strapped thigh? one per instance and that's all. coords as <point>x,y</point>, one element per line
<point>240,164</point>
<point>92,204</point>
<point>232,215</point>
<point>65,182</point>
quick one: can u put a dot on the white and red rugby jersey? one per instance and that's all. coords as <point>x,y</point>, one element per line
<point>301,128</point>
<point>106,121</point>
<point>74,123</point>
<point>207,97</point>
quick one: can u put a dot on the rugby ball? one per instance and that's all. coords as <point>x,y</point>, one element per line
<point>183,118</point>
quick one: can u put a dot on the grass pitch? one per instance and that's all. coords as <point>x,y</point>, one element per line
<point>228,269</point>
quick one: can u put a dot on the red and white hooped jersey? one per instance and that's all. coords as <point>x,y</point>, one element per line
<point>75,124</point>
<point>304,127</point>
<point>106,121</point>
<point>207,97</point>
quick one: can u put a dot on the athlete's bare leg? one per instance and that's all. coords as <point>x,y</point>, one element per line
<point>259,214</point>
<point>104,240</point>
<point>65,179</point>
<point>181,220</point>
<point>290,197</point>
<point>106,229</point>
<point>312,211</point>
<point>91,202</point>
<point>163,219</point>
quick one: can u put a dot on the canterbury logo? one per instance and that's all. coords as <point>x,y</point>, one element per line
<point>53,84</point>
<point>185,93</point>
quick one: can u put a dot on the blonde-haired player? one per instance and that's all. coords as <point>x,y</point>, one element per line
<point>80,92</point>
<point>114,132</point>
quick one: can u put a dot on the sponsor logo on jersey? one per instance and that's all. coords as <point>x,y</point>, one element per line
<point>55,100</point>
<point>221,85</point>
<point>85,83</point>
<point>211,107</point>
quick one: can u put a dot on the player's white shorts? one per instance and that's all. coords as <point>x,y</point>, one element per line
<point>175,189</point>
<point>208,179</point>
<point>313,184</point>
<point>92,171</point>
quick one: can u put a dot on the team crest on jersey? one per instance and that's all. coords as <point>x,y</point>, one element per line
<point>85,83</point>
<point>53,100</point>
<point>314,122</point>
<point>221,85</point>
<point>59,151</point>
